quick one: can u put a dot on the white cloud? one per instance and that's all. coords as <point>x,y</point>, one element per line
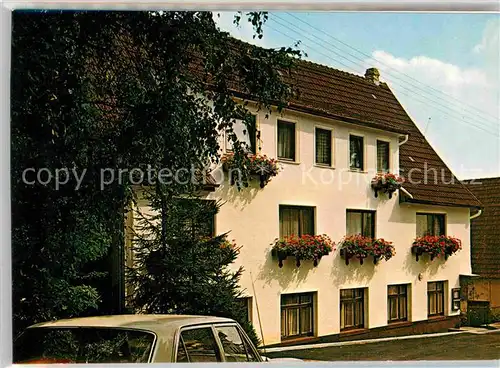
<point>491,38</point>
<point>450,124</point>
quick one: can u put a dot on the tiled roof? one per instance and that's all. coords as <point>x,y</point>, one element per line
<point>352,98</point>
<point>485,229</point>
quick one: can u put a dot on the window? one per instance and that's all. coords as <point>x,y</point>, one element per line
<point>197,345</point>
<point>455,299</point>
<point>382,156</point>
<point>286,140</point>
<point>83,345</point>
<point>196,217</point>
<point>360,222</point>
<point>296,220</point>
<point>296,315</point>
<point>245,132</point>
<point>356,152</point>
<point>323,147</point>
<point>352,307</point>
<point>397,303</point>
<point>246,304</point>
<point>236,349</point>
<point>435,298</point>
<point>430,224</point>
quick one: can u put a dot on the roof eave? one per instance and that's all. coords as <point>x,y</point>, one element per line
<point>408,200</point>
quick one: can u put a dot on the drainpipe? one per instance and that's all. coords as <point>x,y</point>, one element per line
<point>406,192</point>
<point>404,141</point>
<point>476,215</point>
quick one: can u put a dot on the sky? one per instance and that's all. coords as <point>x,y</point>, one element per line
<point>443,68</point>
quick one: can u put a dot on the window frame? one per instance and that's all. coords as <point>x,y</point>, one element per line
<point>362,212</point>
<point>248,300</point>
<point>388,155</point>
<point>213,220</point>
<point>300,306</point>
<point>253,137</point>
<point>326,129</point>
<point>455,299</point>
<point>353,300</point>
<point>440,294</point>
<point>434,215</point>
<point>363,153</point>
<point>286,206</point>
<point>295,140</point>
<point>398,298</point>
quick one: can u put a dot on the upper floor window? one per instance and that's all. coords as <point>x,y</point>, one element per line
<point>196,216</point>
<point>430,224</point>
<point>323,147</point>
<point>245,132</point>
<point>296,220</point>
<point>360,222</point>
<point>286,140</point>
<point>382,156</point>
<point>356,152</point>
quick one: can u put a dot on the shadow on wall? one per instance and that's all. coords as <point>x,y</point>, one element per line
<point>353,273</point>
<point>424,264</point>
<point>270,271</point>
<point>239,198</point>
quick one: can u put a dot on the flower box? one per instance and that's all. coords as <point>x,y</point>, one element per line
<point>386,183</point>
<point>305,247</point>
<point>361,247</point>
<point>436,246</point>
<point>252,165</point>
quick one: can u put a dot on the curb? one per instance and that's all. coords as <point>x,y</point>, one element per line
<point>368,341</point>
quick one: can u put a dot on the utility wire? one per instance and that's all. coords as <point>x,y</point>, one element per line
<point>472,116</point>
<point>456,118</point>
<point>460,103</point>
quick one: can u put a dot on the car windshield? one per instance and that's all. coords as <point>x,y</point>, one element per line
<point>82,345</point>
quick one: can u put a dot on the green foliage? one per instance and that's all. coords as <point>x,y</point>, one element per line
<point>115,90</point>
<point>185,270</point>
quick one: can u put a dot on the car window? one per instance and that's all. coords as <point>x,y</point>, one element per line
<point>236,349</point>
<point>197,345</point>
<point>83,345</point>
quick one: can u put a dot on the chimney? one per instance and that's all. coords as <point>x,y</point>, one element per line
<point>372,74</point>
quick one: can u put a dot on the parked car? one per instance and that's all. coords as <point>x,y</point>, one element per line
<point>136,338</point>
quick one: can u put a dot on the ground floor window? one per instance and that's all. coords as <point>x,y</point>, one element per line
<point>246,303</point>
<point>352,308</point>
<point>297,315</point>
<point>435,298</point>
<point>397,303</point>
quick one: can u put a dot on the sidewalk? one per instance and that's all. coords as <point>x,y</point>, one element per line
<point>493,328</point>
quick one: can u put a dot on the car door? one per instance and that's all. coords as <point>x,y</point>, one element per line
<point>235,345</point>
<point>197,344</point>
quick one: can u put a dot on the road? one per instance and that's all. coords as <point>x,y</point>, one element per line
<point>464,346</point>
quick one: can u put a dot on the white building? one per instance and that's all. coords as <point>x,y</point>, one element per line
<point>329,145</point>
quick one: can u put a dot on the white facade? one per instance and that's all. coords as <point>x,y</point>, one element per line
<point>252,217</point>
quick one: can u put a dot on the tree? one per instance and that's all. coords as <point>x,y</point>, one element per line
<point>190,275</point>
<point>99,92</point>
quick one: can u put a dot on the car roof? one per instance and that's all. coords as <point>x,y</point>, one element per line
<point>157,323</point>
